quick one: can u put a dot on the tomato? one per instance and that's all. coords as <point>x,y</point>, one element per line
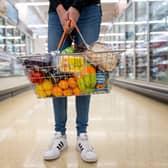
<point>36,77</point>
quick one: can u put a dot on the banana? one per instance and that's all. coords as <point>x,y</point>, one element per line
<point>81,84</point>
<point>86,79</point>
<point>92,80</point>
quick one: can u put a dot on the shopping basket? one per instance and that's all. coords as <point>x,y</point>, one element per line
<point>57,74</point>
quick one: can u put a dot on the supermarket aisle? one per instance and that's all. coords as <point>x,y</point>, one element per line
<point>128,131</point>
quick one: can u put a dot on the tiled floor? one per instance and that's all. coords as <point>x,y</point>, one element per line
<point>126,129</point>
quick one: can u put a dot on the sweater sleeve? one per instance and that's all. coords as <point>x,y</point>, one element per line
<point>54,3</point>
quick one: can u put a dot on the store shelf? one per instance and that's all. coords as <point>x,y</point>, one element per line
<point>11,86</point>
<point>158,92</point>
<point>145,42</point>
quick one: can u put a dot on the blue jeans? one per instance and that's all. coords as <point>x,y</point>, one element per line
<point>89,25</point>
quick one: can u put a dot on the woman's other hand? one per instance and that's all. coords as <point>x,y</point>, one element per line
<point>73,14</point>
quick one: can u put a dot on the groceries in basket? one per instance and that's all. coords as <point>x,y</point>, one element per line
<point>37,60</point>
<point>70,63</point>
<point>102,81</point>
<point>74,71</point>
<point>101,55</point>
<point>53,83</point>
<point>86,79</point>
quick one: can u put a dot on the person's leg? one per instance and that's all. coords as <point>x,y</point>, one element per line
<point>59,104</point>
<point>89,25</point>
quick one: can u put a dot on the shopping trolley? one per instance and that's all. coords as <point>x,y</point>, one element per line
<point>58,74</point>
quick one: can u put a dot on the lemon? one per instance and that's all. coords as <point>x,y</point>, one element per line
<point>47,85</point>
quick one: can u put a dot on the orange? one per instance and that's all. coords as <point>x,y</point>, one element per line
<point>63,84</point>
<point>57,91</point>
<point>67,92</point>
<point>87,69</point>
<point>72,82</point>
<point>76,91</point>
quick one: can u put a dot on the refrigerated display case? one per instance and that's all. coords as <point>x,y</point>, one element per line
<point>129,41</point>
<point>141,41</point>
<point>145,60</point>
<point>13,42</point>
<point>2,46</point>
<point>159,41</point>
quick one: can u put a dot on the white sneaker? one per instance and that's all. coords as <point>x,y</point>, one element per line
<point>86,151</point>
<point>54,151</point>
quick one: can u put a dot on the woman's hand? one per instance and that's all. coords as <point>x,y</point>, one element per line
<point>73,14</point>
<point>63,15</point>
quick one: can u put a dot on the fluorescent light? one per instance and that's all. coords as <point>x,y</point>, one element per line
<point>19,45</point>
<point>148,0</point>
<point>158,21</point>
<point>111,34</point>
<point>123,23</point>
<point>140,22</point>
<point>42,36</point>
<point>143,33</point>
<point>32,3</point>
<point>140,41</point>
<point>46,25</point>
<point>7,27</point>
<point>10,37</point>
<point>129,41</point>
<point>140,49</point>
<point>47,3</point>
<point>106,24</point>
<point>161,32</point>
<point>109,1</point>
<point>37,25</point>
<point>114,42</point>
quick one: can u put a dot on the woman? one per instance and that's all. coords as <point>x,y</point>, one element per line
<point>87,15</point>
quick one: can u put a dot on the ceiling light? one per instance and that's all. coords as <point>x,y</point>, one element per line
<point>109,1</point>
<point>43,36</point>
<point>37,25</point>
<point>47,3</point>
<point>161,32</point>
<point>7,27</point>
<point>46,25</point>
<point>11,37</point>
<point>106,24</point>
<point>32,3</point>
<point>19,45</point>
<point>111,34</point>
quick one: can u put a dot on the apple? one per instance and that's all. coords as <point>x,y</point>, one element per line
<point>68,50</point>
<point>36,77</point>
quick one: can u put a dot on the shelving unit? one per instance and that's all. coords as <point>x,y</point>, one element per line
<point>159,42</point>
<point>144,26</point>
<point>14,41</point>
